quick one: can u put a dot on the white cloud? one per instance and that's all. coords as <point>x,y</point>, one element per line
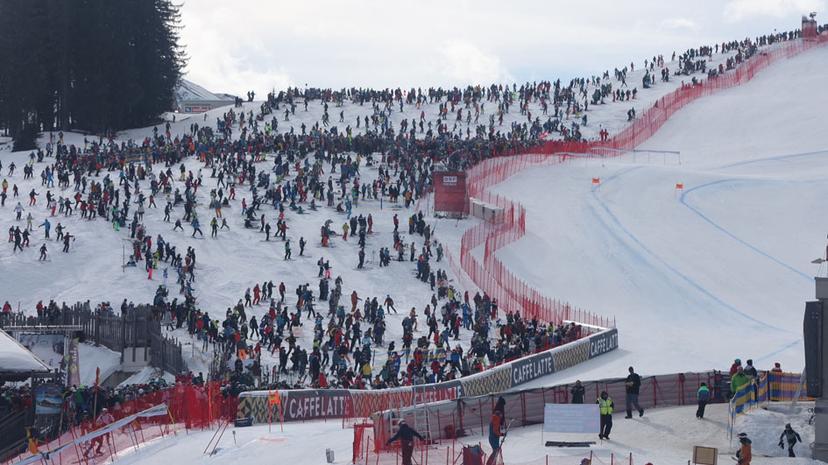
<point>259,44</point>
<point>464,63</point>
<point>228,61</point>
<point>737,10</point>
<point>679,23</point>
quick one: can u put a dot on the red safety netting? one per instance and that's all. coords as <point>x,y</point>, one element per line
<point>187,407</point>
<point>454,452</point>
<point>469,418</point>
<point>509,224</point>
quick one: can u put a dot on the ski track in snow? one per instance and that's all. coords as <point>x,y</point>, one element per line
<point>790,156</point>
<point>725,231</point>
<point>619,226</point>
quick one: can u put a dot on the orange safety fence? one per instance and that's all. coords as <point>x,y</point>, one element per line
<point>183,407</point>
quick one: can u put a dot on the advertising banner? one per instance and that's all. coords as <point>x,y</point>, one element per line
<point>308,404</point>
<point>312,404</point>
<point>531,368</point>
<point>73,364</point>
<point>48,399</point>
<point>603,342</point>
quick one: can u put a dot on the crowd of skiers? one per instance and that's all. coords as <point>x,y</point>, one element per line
<point>410,150</point>
<point>347,337</point>
<point>468,126</point>
<point>122,198</point>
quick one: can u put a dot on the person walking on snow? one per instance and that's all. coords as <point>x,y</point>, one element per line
<point>66,238</point>
<point>703,396</point>
<point>46,227</point>
<point>792,437</point>
<point>605,407</point>
<point>196,227</point>
<point>633,385</point>
<point>287,249</point>
<point>406,435</point>
<point>496,430</point>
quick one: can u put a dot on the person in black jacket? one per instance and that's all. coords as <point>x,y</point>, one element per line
<point>792,437</point>
<point>406,435</point>
<point>577,392</point>
<point>633,385</point>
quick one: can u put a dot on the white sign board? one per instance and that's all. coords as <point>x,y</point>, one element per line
<point>449,180</point>
<point>571,418</point>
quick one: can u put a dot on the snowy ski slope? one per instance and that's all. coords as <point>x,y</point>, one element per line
<point>240,258</point>
<point>696,277</point>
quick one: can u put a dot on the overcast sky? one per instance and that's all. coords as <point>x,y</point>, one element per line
<point>264,44</point>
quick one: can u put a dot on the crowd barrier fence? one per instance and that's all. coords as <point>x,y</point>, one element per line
<point>311,404</point>
<point>443,422</point>
<point>136,422</point>
<point>768,387</point>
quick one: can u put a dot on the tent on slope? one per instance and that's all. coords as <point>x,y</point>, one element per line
<point>18,363</point>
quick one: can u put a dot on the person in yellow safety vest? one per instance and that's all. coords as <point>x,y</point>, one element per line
<point>605,407</point>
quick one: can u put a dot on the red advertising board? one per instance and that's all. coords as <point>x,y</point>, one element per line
<point>450,196</point>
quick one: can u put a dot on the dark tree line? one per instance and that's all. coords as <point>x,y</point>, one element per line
<point>90,65</point>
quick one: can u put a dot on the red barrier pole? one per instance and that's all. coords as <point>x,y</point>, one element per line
<point>523,406</point>
<point>111,440</point>
<point>72,432</point>
<point>480,412</point>
<point>655,392</point>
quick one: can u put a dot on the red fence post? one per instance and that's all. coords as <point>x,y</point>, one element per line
<point>480,413</point>
<point>523,406</point>
<point>655,392</point>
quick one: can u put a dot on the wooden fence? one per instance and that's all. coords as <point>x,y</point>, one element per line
<point>138,326</point>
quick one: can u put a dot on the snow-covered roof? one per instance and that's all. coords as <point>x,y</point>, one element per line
<point>189,91</point>
<point>16,359</point>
